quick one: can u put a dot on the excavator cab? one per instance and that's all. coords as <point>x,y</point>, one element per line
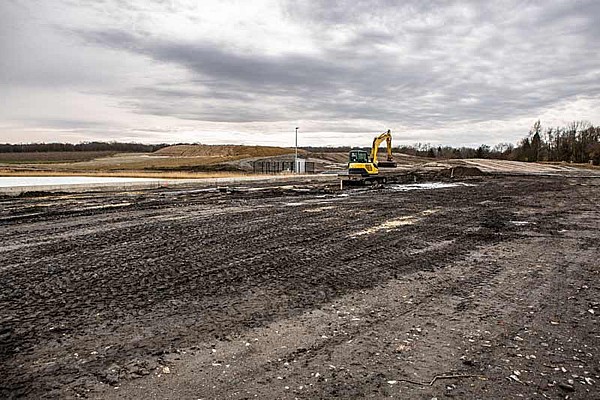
<point>360,164</point>
<point>358,156</point>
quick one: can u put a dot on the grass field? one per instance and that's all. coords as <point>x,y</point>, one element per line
<point>52,157</point>
<point>172,162</point>
<point>116,164</point>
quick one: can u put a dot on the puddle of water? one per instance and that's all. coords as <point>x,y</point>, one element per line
<point>427,186</point>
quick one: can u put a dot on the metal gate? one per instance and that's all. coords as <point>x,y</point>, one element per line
<point>277,167</point>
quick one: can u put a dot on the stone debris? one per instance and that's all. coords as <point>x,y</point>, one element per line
<point>514,378</point>
<point>567,387</point>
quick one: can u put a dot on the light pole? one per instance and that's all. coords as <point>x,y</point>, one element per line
<point>296,157</point>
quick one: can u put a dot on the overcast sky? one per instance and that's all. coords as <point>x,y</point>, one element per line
<point>458,73</point>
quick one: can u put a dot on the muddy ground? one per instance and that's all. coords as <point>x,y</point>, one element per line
<point>489,289</point>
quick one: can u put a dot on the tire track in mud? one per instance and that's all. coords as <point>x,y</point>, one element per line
<point>112,292</point>
<point>211,275</point>
<point>313,353</point>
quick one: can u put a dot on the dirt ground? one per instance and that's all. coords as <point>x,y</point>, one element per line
<point>201,161</point>
<point>486,289</point>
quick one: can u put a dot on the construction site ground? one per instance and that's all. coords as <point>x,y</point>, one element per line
<point>475,286</point>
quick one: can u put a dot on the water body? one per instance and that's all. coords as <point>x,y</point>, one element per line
<point>16,181</point>
<point>427,186</point>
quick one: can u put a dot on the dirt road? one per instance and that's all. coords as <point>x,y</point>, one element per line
<point>491,286</point>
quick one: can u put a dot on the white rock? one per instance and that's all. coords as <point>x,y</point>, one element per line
<point>515,378</point>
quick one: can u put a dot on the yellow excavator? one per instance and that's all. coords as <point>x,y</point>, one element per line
<point>364,167</point>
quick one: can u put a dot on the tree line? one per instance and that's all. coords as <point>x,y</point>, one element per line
<point>84,146</point>
<point>577,142</point>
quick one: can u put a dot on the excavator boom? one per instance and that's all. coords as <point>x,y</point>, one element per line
<point>389,162</point>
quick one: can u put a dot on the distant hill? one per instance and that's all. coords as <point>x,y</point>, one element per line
<point>237,151</point>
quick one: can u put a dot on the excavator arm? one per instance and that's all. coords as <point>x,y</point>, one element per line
<point>387,136</point>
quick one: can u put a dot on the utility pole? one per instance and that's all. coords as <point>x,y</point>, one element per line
<point>296,158</point>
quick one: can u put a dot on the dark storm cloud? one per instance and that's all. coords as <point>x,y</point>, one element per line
<point>341,85</point>
<point>210,60</point>
<point>464,62</point>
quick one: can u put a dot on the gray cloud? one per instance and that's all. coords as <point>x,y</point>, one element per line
<point>420,65</point>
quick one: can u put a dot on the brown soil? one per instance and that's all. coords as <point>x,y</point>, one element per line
<point>222,151</point>
<point>304,292</point>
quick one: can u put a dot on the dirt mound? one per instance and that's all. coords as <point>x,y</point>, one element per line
<point>202,150</point>
<point>337,157</point>
<point>461,171</point>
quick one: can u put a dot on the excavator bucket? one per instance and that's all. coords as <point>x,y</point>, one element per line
<point>387,164</point>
